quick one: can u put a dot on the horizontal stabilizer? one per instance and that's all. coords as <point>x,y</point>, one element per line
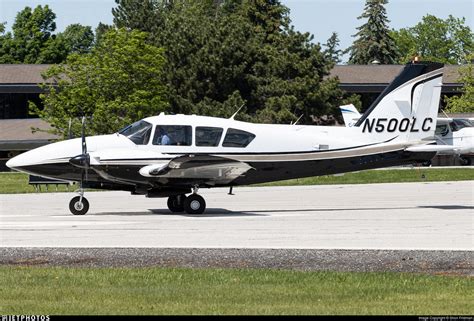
<point>430,148</point>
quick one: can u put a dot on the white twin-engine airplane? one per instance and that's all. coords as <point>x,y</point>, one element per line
<point>174,155</point>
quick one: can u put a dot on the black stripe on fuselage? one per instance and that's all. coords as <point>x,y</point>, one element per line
<point>261,172</point>
<point>244,153</point>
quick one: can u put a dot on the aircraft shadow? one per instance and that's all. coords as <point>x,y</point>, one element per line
<point>221,212</point>
<point>210,212</point>
<point>449,207</point>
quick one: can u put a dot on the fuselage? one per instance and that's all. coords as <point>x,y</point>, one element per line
<point>272,152</point>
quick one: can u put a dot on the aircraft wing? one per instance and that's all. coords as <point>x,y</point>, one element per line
<point>212,169</point>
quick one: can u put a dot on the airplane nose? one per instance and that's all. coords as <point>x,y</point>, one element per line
<point>11,163</point>
<point>18,161</point>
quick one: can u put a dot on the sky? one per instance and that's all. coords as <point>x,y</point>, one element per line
<point>318,17</point>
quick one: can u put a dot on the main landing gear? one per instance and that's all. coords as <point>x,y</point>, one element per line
<point>192,204</point>
<point>79,205</point>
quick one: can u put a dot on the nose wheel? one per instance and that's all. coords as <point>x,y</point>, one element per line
<point>79,205</point>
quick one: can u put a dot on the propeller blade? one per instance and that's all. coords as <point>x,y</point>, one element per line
<point>84,146</point>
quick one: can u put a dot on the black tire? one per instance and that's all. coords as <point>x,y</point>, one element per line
<point>194,204</point>
<point>176,203</point>
<point>465,161</point>
<point>77,208</point>
<point>426,163</point>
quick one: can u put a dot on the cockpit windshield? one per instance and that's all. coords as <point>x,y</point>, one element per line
<point>138,132</point>
<point>460,123</point>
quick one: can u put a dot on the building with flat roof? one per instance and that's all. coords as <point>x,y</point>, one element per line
<point>19,84</point>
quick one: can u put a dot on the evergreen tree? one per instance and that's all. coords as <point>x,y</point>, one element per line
<point>141,15</point>
<point>331,52</point>
<point>373,38</point>
<point>225,54</point>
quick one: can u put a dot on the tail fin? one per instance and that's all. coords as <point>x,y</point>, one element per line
<point>350,114</point>
<point>407,109</point>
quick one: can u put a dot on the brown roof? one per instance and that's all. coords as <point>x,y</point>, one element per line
<point>21,73</point>
<point>348,74</point>
<point>20,130</point>
<point>382,74</point>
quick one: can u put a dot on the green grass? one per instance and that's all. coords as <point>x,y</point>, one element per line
<point>34,290</point>
<point>18,182</point>
<point>384,176</point>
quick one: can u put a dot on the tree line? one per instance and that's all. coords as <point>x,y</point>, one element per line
<point>208,57</point>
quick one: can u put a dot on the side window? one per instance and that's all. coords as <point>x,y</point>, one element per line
<point>174,135</point>
<point>237,138</point>
<point>441,130</point>
<point>208,136</point>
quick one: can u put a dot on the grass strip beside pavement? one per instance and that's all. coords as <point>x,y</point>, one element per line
<point>402,175</point>
<point>46,291</point>
<point>18,182</point>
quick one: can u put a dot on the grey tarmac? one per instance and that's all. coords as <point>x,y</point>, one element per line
<point>414,227</point>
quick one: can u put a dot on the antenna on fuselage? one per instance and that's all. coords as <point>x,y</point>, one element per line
<point>445,114</point>
<point>297,120</point>
<point>69,129</point>
<point>232,117</point>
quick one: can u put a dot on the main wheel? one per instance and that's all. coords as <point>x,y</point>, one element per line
<point>194,204</point>
<point>465,161</point>
<point>77,207</point>
<point>176,203</point>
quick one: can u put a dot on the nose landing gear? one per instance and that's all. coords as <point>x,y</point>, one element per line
<point>79,205</point>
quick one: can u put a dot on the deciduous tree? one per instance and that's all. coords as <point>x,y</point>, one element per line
<point>448,41</point>
<point>465,102</point>
<point>117,83</point>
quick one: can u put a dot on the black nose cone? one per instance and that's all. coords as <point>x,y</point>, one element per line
<point>81,161</point>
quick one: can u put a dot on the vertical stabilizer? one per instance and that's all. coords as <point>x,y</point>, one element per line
<point>407,109</point>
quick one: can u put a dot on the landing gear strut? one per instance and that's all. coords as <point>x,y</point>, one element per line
<point>79,205</point>
<point>192,204</point>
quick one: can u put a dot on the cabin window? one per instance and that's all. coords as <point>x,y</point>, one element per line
<point>208,136</point>
<point>237,138</point>
<point>442,130</point>
<point>138,132</point>
<point>173,135</point>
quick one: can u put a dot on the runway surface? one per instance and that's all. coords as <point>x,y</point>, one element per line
<point>407,216</point>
